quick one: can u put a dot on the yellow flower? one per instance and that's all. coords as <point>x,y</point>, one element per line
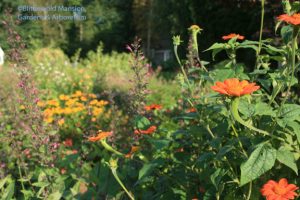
<point>71,102</point>
<point>93,102</point>
<point>83,98</point>
<point>64,97</point>
<point>40,103</point>
<point>78,93</point>
<point>97,111</point>
<point>93,96</point>
<point>87,76</point>
<point>48,112</point>
<point>48,120</point>
<point>102,103</point>
<point>58,110</point>
<point>93,119</point>
<point>61,122</point>
<point>52,103</point>
<point>67,110</point>
<point>22,107</point>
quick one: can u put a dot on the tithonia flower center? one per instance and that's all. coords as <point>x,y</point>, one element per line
<point>279,190</point>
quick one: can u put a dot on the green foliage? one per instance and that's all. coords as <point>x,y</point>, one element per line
<point>261,160</point>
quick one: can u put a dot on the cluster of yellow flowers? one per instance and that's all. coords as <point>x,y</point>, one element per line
<point>79,102</point>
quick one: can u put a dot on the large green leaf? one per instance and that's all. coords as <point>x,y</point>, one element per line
<point>55,196</point>
<point>262,108</point>
<point>9,191</point>
<point>146,169</point>
<point>260,161</point>
<point>287,158</point>
<point>296,128</point>
<point>290,112</point>
<point>141,122</point>
<point>216,48</point>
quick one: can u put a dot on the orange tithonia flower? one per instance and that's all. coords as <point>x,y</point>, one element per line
<point>101,135</point>
<point>68,142</point>
<point>191,110</point>
<point>233,35</point>
<point>234,87</point>
<point>132,151</point>
<point>150,130</point>
<point>279,191</point>
<point>153,107</point>
<point>290,19</point>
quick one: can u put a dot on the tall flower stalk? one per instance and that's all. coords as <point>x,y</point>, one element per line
<point>262,17</point>
<point>293,20</point>
<point>113,164</point>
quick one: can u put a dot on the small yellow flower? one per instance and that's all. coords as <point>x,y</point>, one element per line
<point>78,93</point>
<point>40,103</point>
<point>83,98</point>
<point>22,107</point>
<point>93,96</point>
<point>48,120</point>
<point>64,97</point>
<point>93,119</point>
<point>52,103</point>
<point>61,122</point>
<point>93,102</point>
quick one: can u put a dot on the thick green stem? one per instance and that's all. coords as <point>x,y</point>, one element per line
<point>109,148</point>
<point>236,116</point>
<point>195,43</point>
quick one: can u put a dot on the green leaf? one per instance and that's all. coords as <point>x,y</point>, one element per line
<point>216,46</point>
<point>286,33</point>
<point>246,108</point>
<point>141,122</point>
<point>3,181</point>
<point>290,112</point>
<point>272,49</point>
<point>222,74</point>
<point>296,128</point>
<point>260,161</point>
<point>216,178</point>
<point>287,158</point>
<point>159,144</point>
<point>9,191</point>
<point>55,196</point>
<point>41,184</point>
<point>146,169</point>
<point>262,108</point>
<point>224,150</point>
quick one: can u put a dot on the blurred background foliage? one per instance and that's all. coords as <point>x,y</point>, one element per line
<point>115,23</point>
